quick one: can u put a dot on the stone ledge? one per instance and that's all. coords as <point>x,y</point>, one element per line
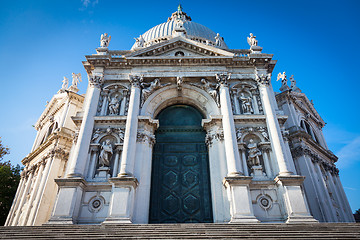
<point>294,180</point>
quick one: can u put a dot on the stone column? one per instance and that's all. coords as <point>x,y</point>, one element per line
<point>79,156</point>
<point>243,158</point>
<point>265,151</point>
<point>16,201</point>
<point>26,220</point>
<point>231,148</point>
<point>129,147</point>
<point>44,177</point>
<point>345,203</point>
<point>116,160</point>
<point>94,150</point>
<point>23,197</point>
<point>335,195</point>
<point>273,126</point>
<point>104,103</point>
<point>255,103</point>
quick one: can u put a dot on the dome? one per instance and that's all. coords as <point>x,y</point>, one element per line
<point>194,31</point>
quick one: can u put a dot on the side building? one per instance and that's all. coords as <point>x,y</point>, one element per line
<point>179,129</point>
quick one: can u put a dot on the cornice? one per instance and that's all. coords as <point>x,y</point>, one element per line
<point>260,118</point>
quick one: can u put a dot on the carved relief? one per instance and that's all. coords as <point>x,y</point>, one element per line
<point>245,99</point>
<point>99,133</point>
<point>149,88</point>
<point>241,131</point>
<point>217,135</point>
<point>145,137</point>
<point>95,80</point>
<point>113,100</point>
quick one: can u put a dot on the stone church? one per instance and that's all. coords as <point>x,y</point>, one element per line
<point>179,129</point>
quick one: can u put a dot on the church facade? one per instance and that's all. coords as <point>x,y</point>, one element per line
<point>179,129</point>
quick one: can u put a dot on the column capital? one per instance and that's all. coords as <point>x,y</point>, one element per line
<point>222,78</point>
<point>262,79</point>
<point>136,80</point>
<point>96,80</point>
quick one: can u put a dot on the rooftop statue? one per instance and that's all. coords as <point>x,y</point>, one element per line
<point>219,40</point>
<point>65,84</point>
<point>284,80</point>
<point>105,40</point>
<point>252,40</point>
<point>139,42</point>
<point>293,86</point>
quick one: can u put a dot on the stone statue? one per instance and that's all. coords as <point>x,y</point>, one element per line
<point>179,82</point>
<point>246,104</point>
<point>76,78</point>
<point>105,154</point>
<point>238,134</point>
<point>149,88</point>
<point>218,40</point>
<point>293,84</point>
<point>254,153</point>
<point>114,105</point>
<point>284,80</point>
<point>121,134</point>
<point>252,40</point>
<point>264,133</point>
<point>65,84</point>
<point>139,42</point>
<point>105,40</point>
<point>212,89</point>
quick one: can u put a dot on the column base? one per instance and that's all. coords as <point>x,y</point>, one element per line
<point>109,221</point>
<point>60,221</point>
<point>244,219</point>
<point>301,219</point>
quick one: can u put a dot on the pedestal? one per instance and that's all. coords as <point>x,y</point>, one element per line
<point>296,207</point>
<point>257,173</point>
<point>122,200</point>
<point>241,209</point>
<point>103,174</point>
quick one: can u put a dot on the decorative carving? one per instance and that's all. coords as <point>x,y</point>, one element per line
<point>242,130</point>
<point>149,88</point>
<point>284,80</point>
<point>222,78</point>
<point>95,80</point>
<point>212,89</point>
<point>136,80</point>
<point>105,40</point>
<point>264,202</point>
<point>252,40</point>
<point>105,153</point>
<point>108,131</point>
<point>262,79</point>
<point>96,204</point>
<point>179,82</point>
<point>254,153</point>
<point>96,134</point>
<point>145,137</point>
<point>214,135</point>
<point>75,136</point>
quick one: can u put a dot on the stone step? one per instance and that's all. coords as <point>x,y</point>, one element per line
<point>186,231</point>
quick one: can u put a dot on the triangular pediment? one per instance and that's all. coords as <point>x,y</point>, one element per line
<point>180,47</point>
<point>302,102</point>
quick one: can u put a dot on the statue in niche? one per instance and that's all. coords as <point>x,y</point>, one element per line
<point>105,40</point>
<point>105,154</point>
<point>252,40</point>
<point>246,104</point>
<point>212,89</point>
<point>114,105</point>
<point>179,82</point>
<point>139,42</point>
<point>254,153</point>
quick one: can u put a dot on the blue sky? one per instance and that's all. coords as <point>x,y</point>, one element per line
<point>317,41</point>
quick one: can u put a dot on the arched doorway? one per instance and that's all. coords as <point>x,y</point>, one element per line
<point>180,185</point>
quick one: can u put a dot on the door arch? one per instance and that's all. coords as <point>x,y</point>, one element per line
<point>180,185</point>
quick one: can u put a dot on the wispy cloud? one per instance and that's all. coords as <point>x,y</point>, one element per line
<point>353,189</point>
<point>349,154</point>
<point>89,3</point>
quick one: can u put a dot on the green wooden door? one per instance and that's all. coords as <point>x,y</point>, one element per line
<point>180,187</point>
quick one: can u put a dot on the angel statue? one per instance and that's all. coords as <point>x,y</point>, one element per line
<point>76,78</point>
<point>139,42</point>
<point>212,89</point>
<point>252,40</point>
<point>105,40</point>
<point>284,80</point>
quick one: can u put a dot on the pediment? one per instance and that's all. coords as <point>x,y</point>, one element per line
<point>302,102</point>
<point>180,47</point>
